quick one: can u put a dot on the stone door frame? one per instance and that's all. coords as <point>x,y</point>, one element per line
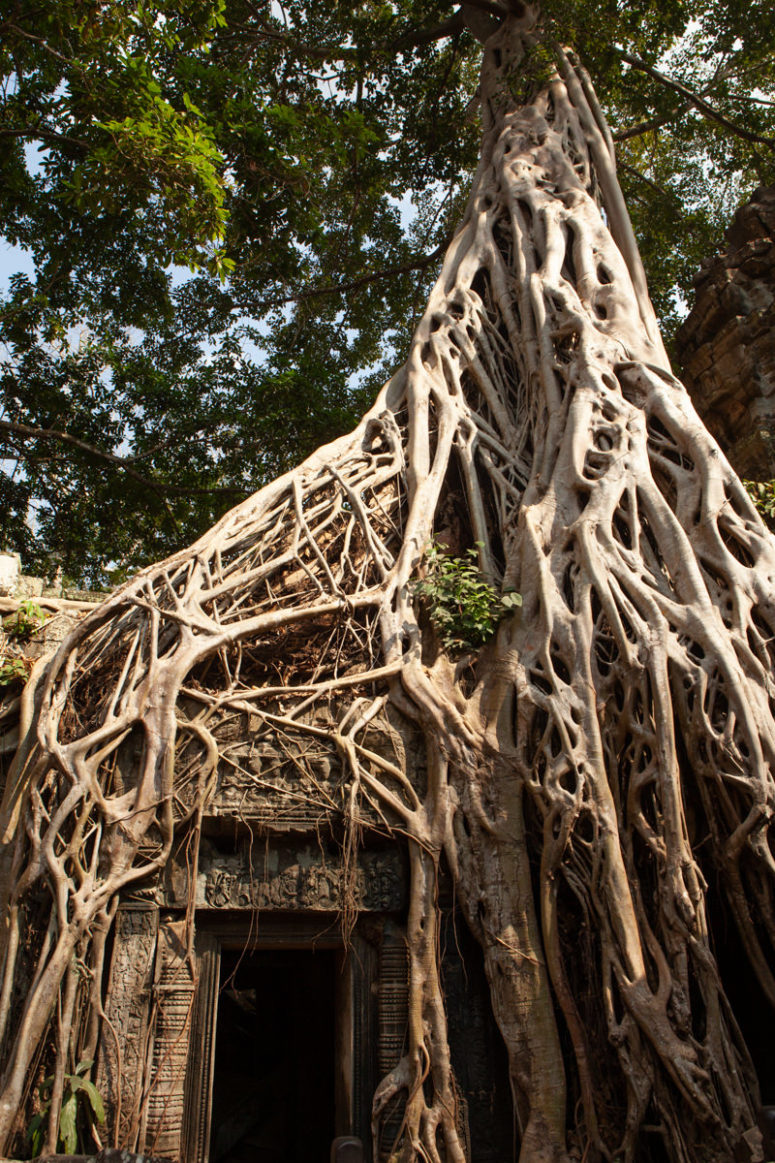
<point>355,1022</point>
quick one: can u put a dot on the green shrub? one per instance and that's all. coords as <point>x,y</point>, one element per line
<point>13,670</point>
<point>463,606</point>
<point>27,620</point>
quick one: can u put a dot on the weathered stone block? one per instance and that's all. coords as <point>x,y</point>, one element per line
<point>726,343</point>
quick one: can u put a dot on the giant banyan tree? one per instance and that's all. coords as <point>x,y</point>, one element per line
<point>593,773</point>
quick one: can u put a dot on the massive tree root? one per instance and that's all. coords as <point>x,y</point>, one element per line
<point>577,765</point>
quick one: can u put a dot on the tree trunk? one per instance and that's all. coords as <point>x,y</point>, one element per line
<point>578,762</point>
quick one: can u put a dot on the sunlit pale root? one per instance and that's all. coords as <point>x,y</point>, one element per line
<point>575,767</point>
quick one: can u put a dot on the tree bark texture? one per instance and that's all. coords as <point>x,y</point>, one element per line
<point>612,732</point>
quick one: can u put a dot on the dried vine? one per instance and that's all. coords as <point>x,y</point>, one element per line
<point>574,767</point>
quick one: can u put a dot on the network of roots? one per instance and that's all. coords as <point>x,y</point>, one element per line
<point>584,775</point>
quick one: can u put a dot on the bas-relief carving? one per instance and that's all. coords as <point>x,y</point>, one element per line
<point>199,1075</point>
<point>300,879</point>
<point>287,798</point>
<point>289,785</point>
<point>121,1059</point>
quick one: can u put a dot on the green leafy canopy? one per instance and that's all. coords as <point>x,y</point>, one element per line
<point>233,211</point>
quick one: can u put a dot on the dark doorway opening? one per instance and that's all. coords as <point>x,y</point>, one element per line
<point>273,1086</point>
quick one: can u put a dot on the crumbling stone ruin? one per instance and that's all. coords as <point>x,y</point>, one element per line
<point>727,344</point>
<point>263,824</point>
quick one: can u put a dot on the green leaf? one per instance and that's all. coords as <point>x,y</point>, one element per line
<point>94,1097</point>
<point>68,1134</point>
<point>35,1133</point>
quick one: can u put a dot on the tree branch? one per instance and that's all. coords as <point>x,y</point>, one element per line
<point>120,462</point>
<point>449,27</point>
<point>641,177</point>
<point>363,280</point>
<point>494,9</point>
<point>313,52</point>
<point>453,25</point>
<point>652,123</point>
<point>10,26</point>
<point>38,132</point>
<point>697,101</point>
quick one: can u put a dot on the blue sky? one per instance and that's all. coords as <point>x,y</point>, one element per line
<point>12,259</point>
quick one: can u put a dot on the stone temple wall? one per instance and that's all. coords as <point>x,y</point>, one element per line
<point>727,344</point>
<point>35,617</point>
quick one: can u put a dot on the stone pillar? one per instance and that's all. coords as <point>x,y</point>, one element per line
<point>175,992</point>
<point>123,1044</point>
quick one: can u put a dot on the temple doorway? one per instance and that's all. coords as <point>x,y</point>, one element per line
<point>273,1097</point>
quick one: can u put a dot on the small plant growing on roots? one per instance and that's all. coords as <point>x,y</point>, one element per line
<point>463,605</point>
<point>611,764</point>
<point>26,622</point>
<point>762,494</point>
<point>13,670</point>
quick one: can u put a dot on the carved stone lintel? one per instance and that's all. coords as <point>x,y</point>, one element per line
<point>285,787</point>
<point>300,879</point>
